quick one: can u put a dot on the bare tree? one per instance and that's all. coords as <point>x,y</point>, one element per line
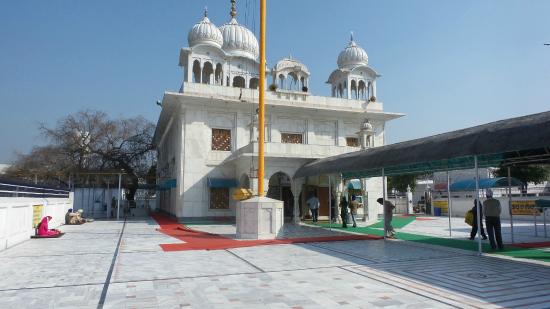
<point>89,141</point>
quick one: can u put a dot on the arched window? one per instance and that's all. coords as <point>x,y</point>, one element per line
<point>238,81</point>
<point>281,81</point>
<point>340,90</point>
<point>302,83</point>
<point>253,83</point>
<point>219,75</point>
<point>292,81</point>
<point>207,71</point>
<point>196,71</point>
<point>362,90</point>
<point>353,93</point>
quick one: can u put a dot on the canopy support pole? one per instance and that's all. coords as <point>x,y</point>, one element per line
<point>478,209</point>
<point>384,201</point>
<point>329,203</point>
<point>535,219</point>
<point>510,204</point>
<point>119,194</point>
<point>449,203</point>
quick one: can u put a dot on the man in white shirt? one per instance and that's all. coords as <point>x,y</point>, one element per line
<point>313,204</point>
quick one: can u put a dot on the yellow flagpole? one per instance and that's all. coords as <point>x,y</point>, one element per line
<point>261,110</point>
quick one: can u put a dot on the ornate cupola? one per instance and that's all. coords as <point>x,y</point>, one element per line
<point>353,79</point>
<point>205,32</point>
<point>237,39</point>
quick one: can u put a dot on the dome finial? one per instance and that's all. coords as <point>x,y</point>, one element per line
<point>233,12</point>
<point>351,36</point>
<point>205,11</point>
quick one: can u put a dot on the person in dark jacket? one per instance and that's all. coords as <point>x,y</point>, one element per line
<point>473,233</point>
<point>344,212</point>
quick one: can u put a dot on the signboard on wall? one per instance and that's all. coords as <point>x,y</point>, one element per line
<point>36,214</point>
<point>444,205</point>
<point>524,207</point>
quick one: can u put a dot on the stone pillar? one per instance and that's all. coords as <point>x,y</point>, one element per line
<point>339,191</point>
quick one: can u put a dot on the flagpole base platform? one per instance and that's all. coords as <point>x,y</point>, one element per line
<point>259,218</point>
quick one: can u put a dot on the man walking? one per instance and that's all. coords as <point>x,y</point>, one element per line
<point>491,209</point>
<point>313,204</point>
<point>388,216</point>
<point>353,209</point>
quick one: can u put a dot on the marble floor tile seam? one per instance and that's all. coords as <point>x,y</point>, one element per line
<point>245,260</point>
<point>325,246</point>
<point>190,277</point>
<point>317,245</point>
<point>267,272</point>
<point>456,302</point>
<point>54,255</point>
<point>53,286</point>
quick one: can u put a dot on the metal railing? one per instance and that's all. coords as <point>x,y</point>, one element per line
<point>25,190</point>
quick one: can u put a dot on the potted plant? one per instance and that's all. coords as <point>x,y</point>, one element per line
<point>272,87</point>
<point>304,89</point>
<point>372,99</point>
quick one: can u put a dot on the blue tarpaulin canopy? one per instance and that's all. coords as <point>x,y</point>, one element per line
<point>222,183</point>
<point>470,184</point>
<point>167,184</point>
<point>542,203</point>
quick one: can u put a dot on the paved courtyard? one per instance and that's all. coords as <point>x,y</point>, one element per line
<point>120,265</point>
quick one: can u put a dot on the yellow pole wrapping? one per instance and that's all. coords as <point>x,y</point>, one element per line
<point>261,110</point>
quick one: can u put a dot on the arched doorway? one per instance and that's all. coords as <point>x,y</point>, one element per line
<point>280,189</point>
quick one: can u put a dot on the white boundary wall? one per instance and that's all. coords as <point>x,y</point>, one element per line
<point>16,214</point>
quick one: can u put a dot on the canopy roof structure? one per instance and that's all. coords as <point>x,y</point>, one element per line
<point>486,183</point>
<point>514,141</point>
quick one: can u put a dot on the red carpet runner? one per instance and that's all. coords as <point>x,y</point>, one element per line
<point>197,240</point>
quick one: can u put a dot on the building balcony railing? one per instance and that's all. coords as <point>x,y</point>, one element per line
<point>278,97</point>
<point>284,150</point>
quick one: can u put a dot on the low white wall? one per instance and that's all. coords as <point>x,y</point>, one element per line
<point>16,215</point>
<point>461,205</point>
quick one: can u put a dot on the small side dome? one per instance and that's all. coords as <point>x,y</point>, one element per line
<point>352,56</point>
<point>205,32</point>
<point>237,39</point>
<point>290,64</point>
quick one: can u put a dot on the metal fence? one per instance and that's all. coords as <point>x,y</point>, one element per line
<point>14,189</point>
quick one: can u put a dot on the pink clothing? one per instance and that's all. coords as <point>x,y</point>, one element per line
<point>43,229</point>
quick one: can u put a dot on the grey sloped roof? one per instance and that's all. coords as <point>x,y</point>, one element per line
<point>518,140</point>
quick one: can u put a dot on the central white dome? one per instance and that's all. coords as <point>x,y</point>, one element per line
<point>205,32</point>
<point>352,56</point>
<point>239,41</point>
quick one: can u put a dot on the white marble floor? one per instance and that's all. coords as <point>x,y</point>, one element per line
<point>71,272</point>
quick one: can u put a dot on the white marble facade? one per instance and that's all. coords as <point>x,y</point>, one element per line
<point>219,91</point>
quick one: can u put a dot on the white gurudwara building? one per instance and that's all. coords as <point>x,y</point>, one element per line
<point>206,134</point>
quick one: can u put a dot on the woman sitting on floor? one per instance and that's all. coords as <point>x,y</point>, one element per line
<point>42,229</point>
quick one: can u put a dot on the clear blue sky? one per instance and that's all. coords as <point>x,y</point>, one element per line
<point>446,64</point>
